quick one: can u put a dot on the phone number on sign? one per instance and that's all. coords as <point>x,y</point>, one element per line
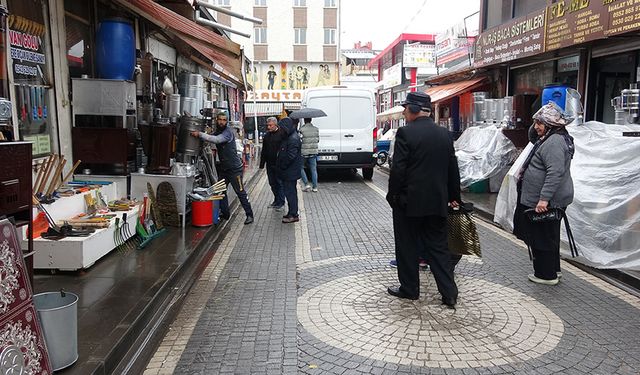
<point>26,70</point>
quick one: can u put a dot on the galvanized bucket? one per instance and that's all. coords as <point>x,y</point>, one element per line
<point>58,313</point>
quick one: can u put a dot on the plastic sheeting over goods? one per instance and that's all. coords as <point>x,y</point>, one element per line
<point>605,213</point>
<point>482,153</point>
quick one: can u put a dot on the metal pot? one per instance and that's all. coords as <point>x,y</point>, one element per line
<point>188,146</point>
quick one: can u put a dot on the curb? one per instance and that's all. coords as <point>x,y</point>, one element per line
<point>135,348</point>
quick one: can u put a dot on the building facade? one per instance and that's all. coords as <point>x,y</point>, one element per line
<point>590,46</point>
<point>354,66</point>
<point>295,47</point>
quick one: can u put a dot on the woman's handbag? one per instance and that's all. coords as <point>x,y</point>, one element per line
<point>462,233</point>
<point>553,214</point>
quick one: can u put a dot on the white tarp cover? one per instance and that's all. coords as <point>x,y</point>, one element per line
<point>482,153</point>
<point>605,213</point>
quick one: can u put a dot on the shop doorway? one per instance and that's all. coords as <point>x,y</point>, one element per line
<point>609,76</point>
<point>610,85</point>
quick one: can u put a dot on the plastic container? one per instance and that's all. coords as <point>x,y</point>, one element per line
<point>479,187</point>
<point>202,213</point>
<point>555,92</point>
<point>216,212</point>
<point>58,314</point>
<point>116,49</point>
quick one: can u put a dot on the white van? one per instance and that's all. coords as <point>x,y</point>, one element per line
<point>348,132</point>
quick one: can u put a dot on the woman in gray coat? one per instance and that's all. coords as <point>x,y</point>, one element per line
<point>544,182</point>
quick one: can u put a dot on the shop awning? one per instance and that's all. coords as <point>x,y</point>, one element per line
<point>225,55</point>
<point>227,68</point>
<point>262,109</point>
<point>444,92</point>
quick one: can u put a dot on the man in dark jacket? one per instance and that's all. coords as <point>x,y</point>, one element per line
<point>289,163</point>
<point>423,180</point>
<point>230,167</point>
<point>270,146</point>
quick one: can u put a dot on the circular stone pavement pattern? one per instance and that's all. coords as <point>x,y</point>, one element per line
<point>493,325</point>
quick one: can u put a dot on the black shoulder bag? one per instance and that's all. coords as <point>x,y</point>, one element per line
<point>553,214</point>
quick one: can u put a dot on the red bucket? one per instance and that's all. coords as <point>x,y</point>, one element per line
<point>202,213</point>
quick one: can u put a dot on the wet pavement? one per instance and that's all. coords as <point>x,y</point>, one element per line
<point>311,298</point>
<point>120,294</point>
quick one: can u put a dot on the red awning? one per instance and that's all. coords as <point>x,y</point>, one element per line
<point>222,64</point>
<point>444,92</point>
<point>219,50</point>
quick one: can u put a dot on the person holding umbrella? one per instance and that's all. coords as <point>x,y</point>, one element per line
<point>289,162</point>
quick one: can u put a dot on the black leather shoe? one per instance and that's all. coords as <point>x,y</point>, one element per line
<point>397,292</point>
<point>225,216</point>
<point>450,302</point>
<point>248,220</point>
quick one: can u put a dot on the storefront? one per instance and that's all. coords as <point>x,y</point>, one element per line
<point>98,88</point>
<point>592,47</point>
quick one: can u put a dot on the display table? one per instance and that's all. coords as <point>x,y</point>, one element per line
<point>181,185</point>
<point>72,253</point>
<point>119,183</point>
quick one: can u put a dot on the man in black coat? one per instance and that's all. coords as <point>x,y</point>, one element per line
<point>270,146</point>
<point>423,180</point>
<point>289,163</point>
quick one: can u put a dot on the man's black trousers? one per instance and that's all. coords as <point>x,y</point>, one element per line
<point>420,235</point>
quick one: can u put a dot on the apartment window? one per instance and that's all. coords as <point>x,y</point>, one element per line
<point>261,3</point>
<point>329,36</point>
<point>223,2</point>
<point>260,35</point>
<point>522,7</point>
<point>299,3</point>
<point>497,12</point>
<point>301,36</point>
<point>329,3</point>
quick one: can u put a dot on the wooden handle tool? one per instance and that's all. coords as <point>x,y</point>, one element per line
<point>40,167</point>
<point>47,171</point>
<point>56,175</point>
<point>66,178</point>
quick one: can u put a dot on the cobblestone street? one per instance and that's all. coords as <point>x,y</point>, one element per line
<point>311,298</point>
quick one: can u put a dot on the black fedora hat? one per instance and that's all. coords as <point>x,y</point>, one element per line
<point>418,98</point>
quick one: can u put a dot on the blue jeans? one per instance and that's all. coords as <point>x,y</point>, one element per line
<point>291,193</point>
<point>276,185</point>
<point>312,162</point>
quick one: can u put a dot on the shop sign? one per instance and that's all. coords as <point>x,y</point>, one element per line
<point>418,56</point>
<point>573,22</point>
<point>452,44</point>
<point>26,53</point>
<point>568,64</point>
<point>580,21</point>
<point>392,76</point>
<point>520,38</point>
<point>275,95</point>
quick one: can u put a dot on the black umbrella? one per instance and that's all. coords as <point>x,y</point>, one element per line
<point>308,113</point>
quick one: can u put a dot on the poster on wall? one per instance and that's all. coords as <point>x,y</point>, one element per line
<point>292,75</point>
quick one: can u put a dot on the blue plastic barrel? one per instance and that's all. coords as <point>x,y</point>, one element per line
<point>555,92</point>
<point>116,49</point>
